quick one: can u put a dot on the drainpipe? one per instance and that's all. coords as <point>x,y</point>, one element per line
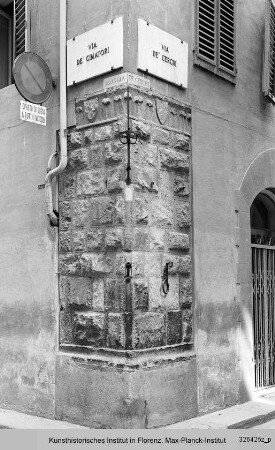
<point>63,118</point>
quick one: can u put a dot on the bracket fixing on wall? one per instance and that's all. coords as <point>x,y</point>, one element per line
<point>165,283</point>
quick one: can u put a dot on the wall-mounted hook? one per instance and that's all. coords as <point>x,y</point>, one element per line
<point>165,283</point>
<point>128,272</point>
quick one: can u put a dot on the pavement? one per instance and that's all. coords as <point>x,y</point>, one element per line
<point>247,415</point>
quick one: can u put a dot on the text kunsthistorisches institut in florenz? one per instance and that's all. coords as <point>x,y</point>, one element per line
<point>137,225</point>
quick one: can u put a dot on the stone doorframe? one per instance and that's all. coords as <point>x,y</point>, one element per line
<point>259,176</point>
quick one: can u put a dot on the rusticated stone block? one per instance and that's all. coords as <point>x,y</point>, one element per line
<point>116,331</point>
<point>181,186</point>
<point>157,239</point>
<point>161,214</point>
<point>181,142</point>
<point>157,298</point>
<point>89,328</point>
<point>174,327</point>
<point>183,215</point>
<point>140,294</point>
<point>148,330</point>
<point>181,264</point>
<point>69,264</point>
<point>115,295</point>
<point>80,210</point>
<point>95,239</point>
<point>185,293</point>
<point>146,178</point>
<point>128,242</point>
<point>141,211</point>
<point>96,156</point>
<point>161,136</point>
<point>103,133</point>
<point>79,240</point>
<point>114,153</point>
<point>78,159</point>
<point>141,239</point>
<point>76,290</point>
<point>114,238</point>
<point>67,185</point>
<point>170,159</point>
<point>89,136</point>
<point>65,241</point>
<point>149,156</point>
<point>115,176</point>
<point>119,211</point>
<point>121,260</point>
<point>187,321</point>
<point>92,264</point>
<point>143,130</point>
<point>75,139</point>
<point>91,183</point>
<point>178,241</point>
<point>138,263</point>
<point>102,211</point>
<point>65,217</point>
<point>152,263</point>
<point>98,295</point>
<point>65,326</point>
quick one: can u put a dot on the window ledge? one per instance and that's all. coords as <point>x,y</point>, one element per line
<point>215,70</point>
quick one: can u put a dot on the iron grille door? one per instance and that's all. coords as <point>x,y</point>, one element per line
<point>263,279</point>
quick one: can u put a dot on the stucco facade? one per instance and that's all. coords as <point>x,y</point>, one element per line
<point>78,342</point>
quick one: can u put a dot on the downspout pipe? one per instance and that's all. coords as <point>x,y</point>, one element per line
<point>63,117</point>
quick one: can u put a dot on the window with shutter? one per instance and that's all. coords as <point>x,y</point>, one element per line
<point>19,27</point>
<point>215,47</point>
<point>268,79</point>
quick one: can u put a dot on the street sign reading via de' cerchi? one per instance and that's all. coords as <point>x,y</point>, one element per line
<point>95,52</point>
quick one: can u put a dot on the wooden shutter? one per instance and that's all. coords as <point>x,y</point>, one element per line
<point>206,29</point>
<point>19,27</point>
<point>226,50</point>
<point>269,54</point>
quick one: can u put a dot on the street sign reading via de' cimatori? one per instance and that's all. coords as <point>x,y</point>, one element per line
<point>95,52</point>
<point>162,54</point>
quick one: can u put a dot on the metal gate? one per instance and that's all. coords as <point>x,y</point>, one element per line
<point>263,276</point>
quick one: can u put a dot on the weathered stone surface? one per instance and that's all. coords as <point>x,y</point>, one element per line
<point>146,178</point>
<point>103,133</point>
<point>96,156</point>
<point>102,211</point>
<point>128,242</point>
<point>91,183</point>
<point>78,159</point>
<point>98,295</point>
<point>187,325</point>
<point>76,290</point>
<point>115,177</point>
<point>93,264</point>
<point>140,294</point>
<point>114,238</point>
<point>161,136</point>
<point>178,241</point>
<point>174,327</point>
<point>121,260</point>
<point>65,217</point>
<point>69,264</point>
<point>143,130</point>
<point>152,263</point>
<point>181,186</point>
<point>162,109</point>
<point>80,210</point>
<point>65,326</point>
<point>89,328</point>
<point>68,185</point>
<point>185,293</point>
<point>141,211</point>
<point>181,142</point>
<point>91,108</point>
<point>181,264</point>
<point>161,214</point>
<point>65,244</point>
<point>148,330</point>
<point>149,155</point>
<point>75,139</point>
<point>89,136</point>
<point>79,240</point>
<point>119,210</point>
<point>183,215</point>
<point>114,153</point>
<point>95,239</point>
<point>141,239</point>
<point>116,331</point>
<point>157,239</point>
<point>157,298</point>
<point>115,295</point>
<point>170,159</point>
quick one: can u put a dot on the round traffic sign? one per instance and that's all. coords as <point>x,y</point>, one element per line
<point>32,77</point>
